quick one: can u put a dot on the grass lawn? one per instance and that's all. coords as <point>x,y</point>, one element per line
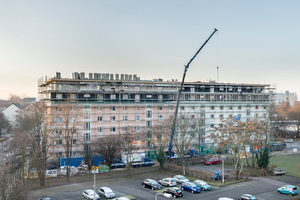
<point>290,162</point>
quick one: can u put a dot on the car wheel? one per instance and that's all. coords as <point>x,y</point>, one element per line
<point>174,196</point>
<point>182,189</point>
<point>144,186</point>
<point>192,191</point>
<point>153,188</point>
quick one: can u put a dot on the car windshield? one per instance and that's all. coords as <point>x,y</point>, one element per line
<point>181,177</point>
<point>253,198</point>
<point>193,185</point>
<point>173,181</point>
<point>178,190</point>
<point>153,182</point>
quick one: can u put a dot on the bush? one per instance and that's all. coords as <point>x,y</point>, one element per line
<point>263,172</point>
<point>270,168</point>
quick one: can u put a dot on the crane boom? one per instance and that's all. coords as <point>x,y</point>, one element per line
<point>180,91</point>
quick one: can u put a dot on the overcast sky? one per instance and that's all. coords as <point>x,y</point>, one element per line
<point>257,42</point>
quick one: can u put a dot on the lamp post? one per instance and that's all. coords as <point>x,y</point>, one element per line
<point>163,194</point>
<point>223,158</point>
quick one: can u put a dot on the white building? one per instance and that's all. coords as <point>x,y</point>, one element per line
<point>280,97</point>
<point>11,112</point>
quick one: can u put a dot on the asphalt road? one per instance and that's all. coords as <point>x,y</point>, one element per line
<point>264,188</point>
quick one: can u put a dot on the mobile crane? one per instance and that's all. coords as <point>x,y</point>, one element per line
<point>179,94</point>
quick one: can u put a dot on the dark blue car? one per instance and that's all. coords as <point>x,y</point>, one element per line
<point>191,187</point>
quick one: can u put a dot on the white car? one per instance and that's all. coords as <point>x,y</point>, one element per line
<point>168,182</point>
<point>89,194</point>
<point>180,179</point>
<point>106,192</point>
<point>289,140</point>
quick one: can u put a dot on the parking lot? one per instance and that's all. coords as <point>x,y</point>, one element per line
<point>130,186</point>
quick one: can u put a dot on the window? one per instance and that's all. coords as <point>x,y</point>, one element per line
<point>58,142</point>
<point>59,154</point>
<point>256,107</point>
<point>100,108</point>
<point>171,107</point>
<point>58,131</point>
<point>74,153</point>
<point>125,96</point>
<point>87,137</point>
<point>58,109</point>
<point>74,141</point>
<point>87,126</point>
<point>112,118</point>
<point>148,124</point>
<point>58,120</point>
<point>148,96</point>
<point>248,112</point>
<point>125,108</point>
<point>211,126</point>
<point>100,130</point>
<point>125,129</point>
<point>137,98</point>
<point>193,107</point>
<point>112,96</point>
<point>112,129</point>
<point>160,108</point>
<point>221,107</point>
<point>149,114</point>
<point>240,107</point>
<point>86,114</point>
<point>212,107</point>
<point>73,119</point>
<point>86,107</point>
<point>193,116</point>
<point>137,129</point>
<point>125,118</point>
<point>100,97</point>
<point>137,108</point>
<point>221,116</point>
<point>137,118</point>
<point>58,96</point>
<point>100,119</point>
<point>160,117</point>
<point>181,107</point>
<point>212,116</point>
<point>230,107</point>
<point>112,108</point>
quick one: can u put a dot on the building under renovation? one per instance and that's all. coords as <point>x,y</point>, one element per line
<point>113,104</point>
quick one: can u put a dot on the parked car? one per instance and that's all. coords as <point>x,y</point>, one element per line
<point>290,140</point>
<point>121,198</point>
<point>180,179</point>
<point>106,192</point>
<point>218,176</point>
<point>168,182</point>
<point>212,161</point>
<point>288,189</point>
<point>191,187</point>
<point>150,183</point>
<point>90,194</point>
<point>174,191</point>
<point>202,185</point>
<point>279,171</point>
<point>247,197</point>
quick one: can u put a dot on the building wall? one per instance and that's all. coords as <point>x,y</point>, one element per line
<point>10,113</point>
<point>109,107</point>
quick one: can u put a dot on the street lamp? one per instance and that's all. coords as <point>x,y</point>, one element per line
<point>163,194</point>
<point>223,158</point>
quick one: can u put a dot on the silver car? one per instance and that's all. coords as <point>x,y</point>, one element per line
<point>180,179</point>
<point>90,194</point>
<point>168,182</point>
<point>106,192</point>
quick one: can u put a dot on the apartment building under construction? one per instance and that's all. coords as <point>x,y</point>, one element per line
<point>110,104</point>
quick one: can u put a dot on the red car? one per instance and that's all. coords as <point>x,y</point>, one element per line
<point>212,161</point>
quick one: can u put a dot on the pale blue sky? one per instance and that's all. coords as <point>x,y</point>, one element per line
<point>257,41</point>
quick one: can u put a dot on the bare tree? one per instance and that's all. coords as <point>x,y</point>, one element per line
<point>89,154</point>
<point>159,139</point>
<point>33,122</point>
<point>5,126</point>
<point>67,114</point>
<point>109,148</point>
<point>186,129</point>
<point>129,144</point>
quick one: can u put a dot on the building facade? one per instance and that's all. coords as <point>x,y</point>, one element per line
<point>114,104</point>
<point>284,97</point>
